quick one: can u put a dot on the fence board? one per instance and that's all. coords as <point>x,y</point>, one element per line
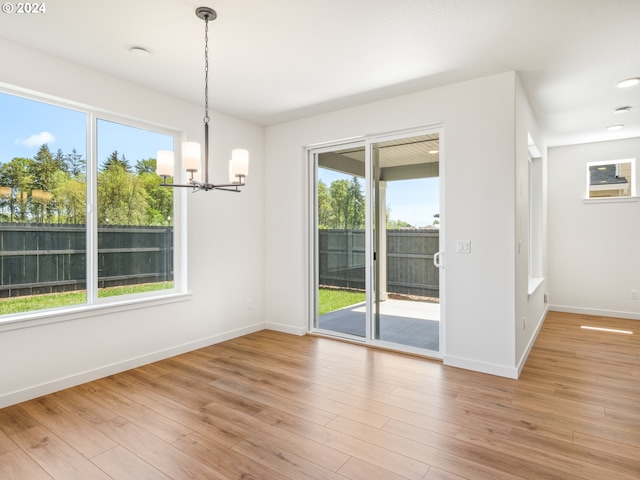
<point>45,258</point>
<point>409,260</point>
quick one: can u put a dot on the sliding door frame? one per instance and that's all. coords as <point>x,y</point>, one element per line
<point>312,153</point>
<point>367,141</point>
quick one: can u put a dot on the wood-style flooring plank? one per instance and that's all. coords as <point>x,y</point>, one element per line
<point>365,450</point>
<point>160,455</point>
<point>120,464</point>
<point>78,434</point>
<point>356,469</point>
<point>153,422</point>
<point>17,465</point>
<point>286,463</point>
<point>55,456</point>
<point>6,444</point>
<point>227,461</point>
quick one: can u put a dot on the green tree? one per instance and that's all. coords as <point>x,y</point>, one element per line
<point>72,200</point>
<point>76,165</point>
<point>159,200</point>
<point>43,171</point>
<point>122,198</point>
<point>395,224</point>
<point>339,190</point>
<point>61,160</point>
<point>325,211</point>
<point>146,166</point>
<point>357,204</point>
<point>347,204</point>
<point>43,167</point>
<point>115,160</point>
<point>17,182</point>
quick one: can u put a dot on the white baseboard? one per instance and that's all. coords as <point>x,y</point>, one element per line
<point>278,327</point>
<point>527,351</point>
<point>56,385</point>
<point>595,311</point>
<point>482,367</point>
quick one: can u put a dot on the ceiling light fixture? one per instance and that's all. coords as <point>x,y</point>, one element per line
<point>239,163</point>
<point>140,52</point>
<point>629,82</point>
<point>615,127</point>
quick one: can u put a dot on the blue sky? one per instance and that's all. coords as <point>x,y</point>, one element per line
<point>26,124</point>
<point>413,201</point>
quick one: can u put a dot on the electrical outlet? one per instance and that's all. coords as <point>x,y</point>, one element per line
<point>634,294</point>
<point>524,323</point>
<point>249,304</point>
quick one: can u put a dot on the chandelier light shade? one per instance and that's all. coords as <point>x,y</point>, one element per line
<point>191,154</point>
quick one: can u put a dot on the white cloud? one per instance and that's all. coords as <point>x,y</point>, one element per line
<point>37,139</point>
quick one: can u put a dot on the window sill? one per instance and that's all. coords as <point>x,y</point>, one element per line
<point>45,317</point>
<point>611,200</point>
<point>534,284</point>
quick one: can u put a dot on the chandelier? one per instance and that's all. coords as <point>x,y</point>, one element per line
<point>191,160</point>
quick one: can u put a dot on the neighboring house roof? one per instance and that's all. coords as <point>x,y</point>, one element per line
<point>605,175</point>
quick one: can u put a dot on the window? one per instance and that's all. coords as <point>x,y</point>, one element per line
<point>135,214</point>
<point>612,179</point>
<point>56,249</point>
<point>535,222</point>
<point>536,181</point>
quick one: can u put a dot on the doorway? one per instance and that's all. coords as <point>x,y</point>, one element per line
<point>377,232</point>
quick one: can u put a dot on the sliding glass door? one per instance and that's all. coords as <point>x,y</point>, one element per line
<point>406,237</point>
<point>341,204</point>
<point>376,230</point>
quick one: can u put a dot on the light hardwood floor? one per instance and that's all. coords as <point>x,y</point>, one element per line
<point>275,406</point>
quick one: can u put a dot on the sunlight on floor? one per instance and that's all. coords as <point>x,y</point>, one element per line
<point>613,330</point>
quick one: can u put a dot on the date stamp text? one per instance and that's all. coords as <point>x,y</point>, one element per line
<point>21,8</point>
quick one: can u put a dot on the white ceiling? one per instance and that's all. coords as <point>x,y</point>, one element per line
<point>278,60</point>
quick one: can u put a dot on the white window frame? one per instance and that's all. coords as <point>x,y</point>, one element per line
<point>536,224</point>
<point>94,305</point>
<point>631,197</point>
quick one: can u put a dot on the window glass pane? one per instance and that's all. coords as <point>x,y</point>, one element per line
<point>611,179</point>
<point>42,205</point>
<point>135,214</point>
<point>340,210</point>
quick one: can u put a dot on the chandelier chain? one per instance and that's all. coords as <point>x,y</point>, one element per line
<point>206,69</point>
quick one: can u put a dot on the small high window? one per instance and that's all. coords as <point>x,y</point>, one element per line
<point>611,179</point>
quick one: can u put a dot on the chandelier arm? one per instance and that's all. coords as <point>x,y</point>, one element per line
<point>234,190</point>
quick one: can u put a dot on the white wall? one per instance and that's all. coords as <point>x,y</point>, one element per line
<point>594,249</point>
<point>530,305</point>
<point>225,246</point>
<point>478,151</point>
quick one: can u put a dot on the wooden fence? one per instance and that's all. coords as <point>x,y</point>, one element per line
<point>409,260</point>
<point>47,258</point>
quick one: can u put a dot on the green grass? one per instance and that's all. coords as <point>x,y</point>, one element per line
<point>56,300</point>
<point>330,300</point>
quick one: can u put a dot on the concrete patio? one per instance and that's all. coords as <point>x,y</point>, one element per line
<point>409,323</point>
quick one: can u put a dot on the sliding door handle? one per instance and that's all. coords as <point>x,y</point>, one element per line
<point>438,259</point>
